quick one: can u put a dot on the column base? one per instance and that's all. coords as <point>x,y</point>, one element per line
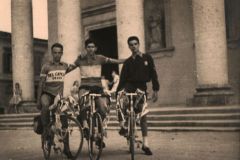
<point>28,107</point>
<point>212,95</point>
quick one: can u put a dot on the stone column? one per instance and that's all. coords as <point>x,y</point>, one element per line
<point>67,31</point>
<point>211,52</point>
<point>130,21</point>
<point>22,47</point>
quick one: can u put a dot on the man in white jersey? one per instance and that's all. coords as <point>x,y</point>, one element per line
<point>90,66</point>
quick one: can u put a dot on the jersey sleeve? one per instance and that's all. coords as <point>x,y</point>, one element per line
<point>102,59</point>
<point>77,61</point>
<point>66,65</point>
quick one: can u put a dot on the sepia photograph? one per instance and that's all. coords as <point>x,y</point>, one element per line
<point>119,79</point>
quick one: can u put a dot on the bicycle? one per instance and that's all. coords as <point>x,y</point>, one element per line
<point>131,118</point>
<point>63,130</point>
<point>95,125</point>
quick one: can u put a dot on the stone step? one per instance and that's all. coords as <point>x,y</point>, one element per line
<point>19,115</point>
<point>186,123</point>
<point>227,116</point>
<point>195,110</point>
<point>190,123</point>
<point>162,111</point>
<point>218,116</point>
<point>186,128</point>
<point>165,129</point>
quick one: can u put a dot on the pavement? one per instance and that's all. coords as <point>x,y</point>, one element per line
<point>202,145</point>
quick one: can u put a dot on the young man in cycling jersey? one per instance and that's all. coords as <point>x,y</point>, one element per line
<point>51,84</point>
<point>90,67</point>
<point>137,70</point>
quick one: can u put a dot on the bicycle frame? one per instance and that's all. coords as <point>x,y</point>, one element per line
<point>92,97</point>
<point>131,106</point>
<point>59,108</point>
<point>132,117</point>
<point>93,116</point>
<point>62,107</point>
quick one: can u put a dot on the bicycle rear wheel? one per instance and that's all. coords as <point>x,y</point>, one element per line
<point>132,134</point>
<point>74,136</point>
<point>46,145</point>
<point>95,142</point>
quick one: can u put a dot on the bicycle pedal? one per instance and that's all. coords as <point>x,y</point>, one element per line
<point>139,142</point>
<point>105,133</point>
<point>138,145</point>
<point>57,150</point>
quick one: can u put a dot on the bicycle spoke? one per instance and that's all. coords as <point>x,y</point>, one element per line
<point>95,142</point>
<point>75,137</point>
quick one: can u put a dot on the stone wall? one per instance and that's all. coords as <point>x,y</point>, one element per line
<point>177,70</point>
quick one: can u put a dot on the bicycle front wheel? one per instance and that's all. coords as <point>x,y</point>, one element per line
<point>95,142</point>
<point>75,136</point>
<point>132,134</point>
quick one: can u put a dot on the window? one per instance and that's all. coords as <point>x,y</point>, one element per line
<point>232,14</point>
<point>7,60</point>
<point>38,56</point>
<point>157,25</point>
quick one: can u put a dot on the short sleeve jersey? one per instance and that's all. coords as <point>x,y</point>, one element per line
<point>90,66</point>
<point>54,73</point>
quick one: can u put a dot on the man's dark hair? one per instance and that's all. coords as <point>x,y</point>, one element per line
<point>88,41</point>
<point>59,45</point>
<point>133,38</point>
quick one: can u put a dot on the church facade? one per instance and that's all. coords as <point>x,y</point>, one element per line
<point>195,44</point>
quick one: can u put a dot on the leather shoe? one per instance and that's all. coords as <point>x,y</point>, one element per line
<point>147,150</point>
<point>98,143</point>
<point>123,132</point>
<point>68,154</point>
<point>86,133</point>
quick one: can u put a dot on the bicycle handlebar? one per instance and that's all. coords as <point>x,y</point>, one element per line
<point>137,92</point>
<point>131,94</point>
<point>95,95</point>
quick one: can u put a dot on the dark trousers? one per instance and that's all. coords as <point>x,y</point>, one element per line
<point>46,101</point>
<point>101,103</point>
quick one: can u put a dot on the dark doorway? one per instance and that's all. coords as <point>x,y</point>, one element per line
<point>106,39</point>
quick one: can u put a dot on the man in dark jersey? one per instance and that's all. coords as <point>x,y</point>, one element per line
<point>51,84</point>
<point>90,67</point>
<point>137,70</point>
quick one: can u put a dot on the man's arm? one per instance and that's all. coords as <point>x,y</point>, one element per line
<point>40,90</point>
<point>153,74</point>
<point>154,78</point>
<point>115,85</point>
<point>123,77</point>
<point>42,81</point>
<point>114,61</point>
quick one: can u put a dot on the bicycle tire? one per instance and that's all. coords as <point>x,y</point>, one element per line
<point>96,123</point>
<point>132,134</point>
<point>46,146</point>
<point>75,132</point>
